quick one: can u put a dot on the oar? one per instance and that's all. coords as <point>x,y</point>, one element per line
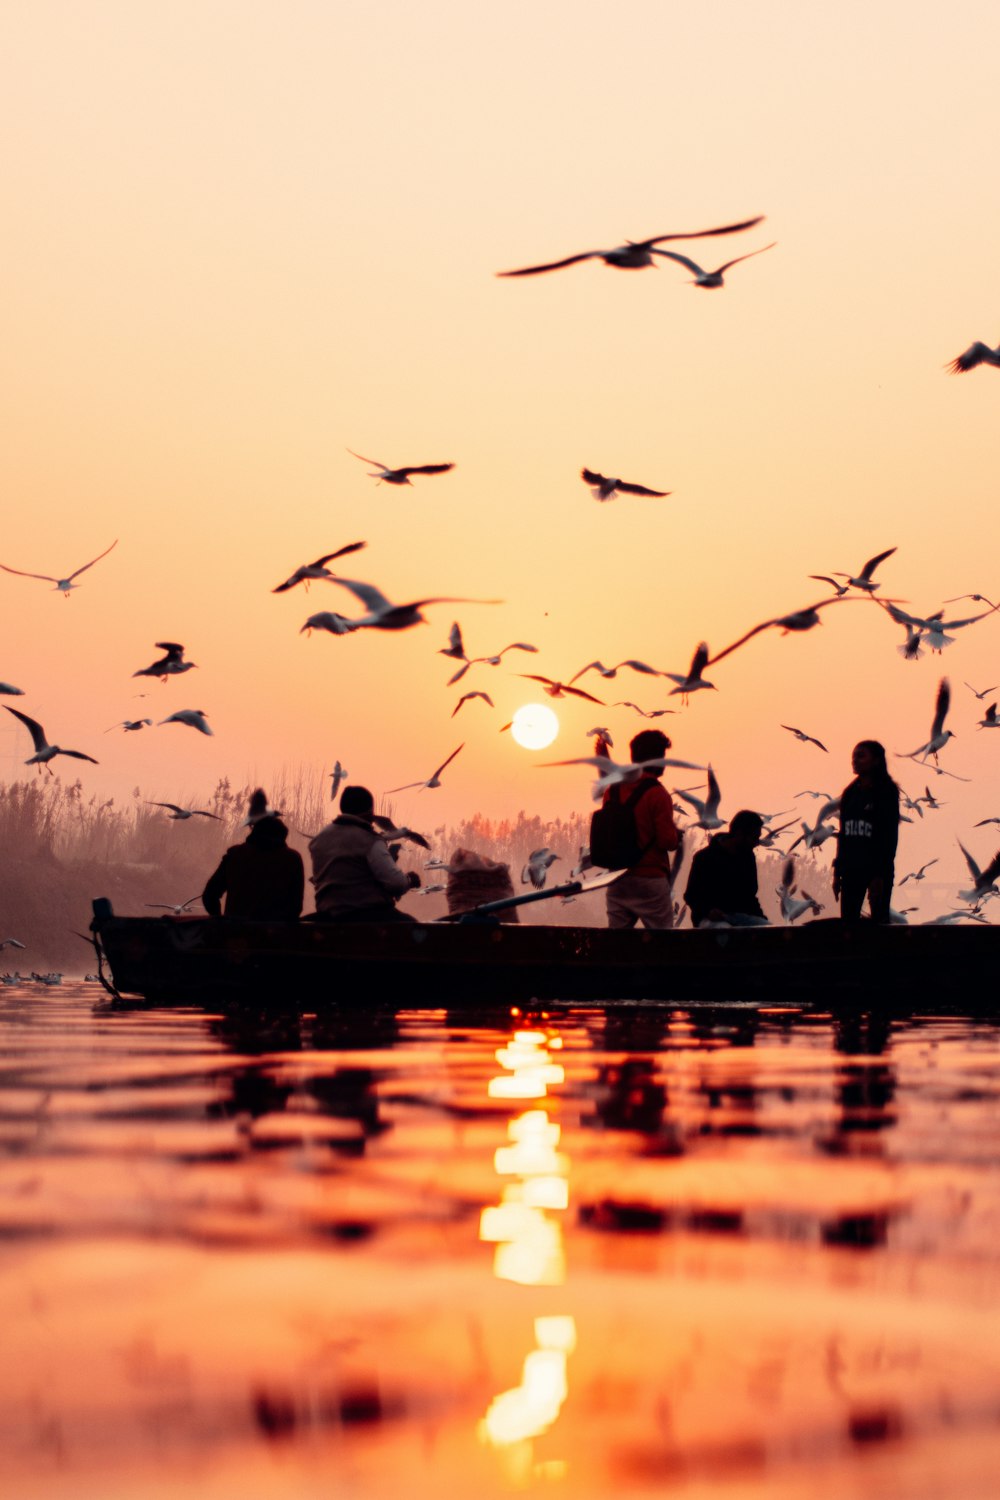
<point>568,888</point>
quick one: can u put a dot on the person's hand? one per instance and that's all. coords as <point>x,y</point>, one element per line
<point>414,879</point>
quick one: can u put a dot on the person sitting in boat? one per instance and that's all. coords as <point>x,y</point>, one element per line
<point>643,893</point>
<point>869,832</point>
<point>354,873</point>
<point>262,879</point>
<point>722,885</point>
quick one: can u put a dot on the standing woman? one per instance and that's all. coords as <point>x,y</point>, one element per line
<point>869,830</point>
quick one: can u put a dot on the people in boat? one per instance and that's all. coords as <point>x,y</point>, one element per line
<point>722,885</point>
<point>261,879</point>
<point>869,830</point>
<point>643,893</point>
<point>354,872</point>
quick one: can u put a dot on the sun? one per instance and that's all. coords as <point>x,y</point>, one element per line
<point>534,726</point>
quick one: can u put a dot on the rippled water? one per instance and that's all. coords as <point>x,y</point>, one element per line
<point>635,1251</point>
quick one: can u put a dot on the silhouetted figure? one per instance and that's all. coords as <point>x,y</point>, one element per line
<point>262,879</point>
<point>722,885</point>
<point>869,831</point>
<point>643,892</point>
<point>354,873</point>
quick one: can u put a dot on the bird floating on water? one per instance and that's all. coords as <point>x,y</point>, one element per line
<point>603,488</point>
<point>385,475</point>
<point>634,254</point>
<point>63,585</point>
<point>44,752</point>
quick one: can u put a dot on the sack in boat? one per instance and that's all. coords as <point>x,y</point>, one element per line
<point>473,879</point>
<point>614,838</point>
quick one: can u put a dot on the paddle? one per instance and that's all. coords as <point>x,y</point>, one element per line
<point>568,888</point>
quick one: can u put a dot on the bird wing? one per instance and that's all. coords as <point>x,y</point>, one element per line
<point>32,725</point>
<point>825,578</point>
<point>639,666</point>
<point>941,706</point>
<point>465,698</point>
<point>992,871</point>
<point>321,562</point>
<point>692,265</point>
<point>367,592</point>
<point>974,869</point>
<point>448,761</point>
<point>426,469</point>
<point>741,642</point>
<point>196,812</point>
<point>47,577</point>
<point>384,467</point>
<point>552,265</point>
<point>79,755</point>
<point>592,477</point>
<point>699,662</point>
<point>519,646</point>
<point>748,256</point>
<point>527,676</point>
<point>604,763</point>
<point>457,676</point>
<point>440,599</point>
<point>593,666</point>
<point>714,795</point>
<point>579,693</point>
<point>873,562</point>
<point>171,805</point>
<point>957,624</point>
<point>974,355</point>
<point>171,647</point>
<point>704,234</point>
<point>92,561</point>
<point>409,784</point>
<point>640,489</point>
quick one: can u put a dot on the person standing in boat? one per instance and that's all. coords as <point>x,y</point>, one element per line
<point>262,879</point>
<point>722,885</point>
<point>869,831</point>
<point>643,893</point>
<point>354,873</point>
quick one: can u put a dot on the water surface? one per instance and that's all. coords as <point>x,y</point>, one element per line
<point>633,1251</point>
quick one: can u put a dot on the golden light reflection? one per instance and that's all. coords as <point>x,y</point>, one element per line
<point>529,1247</point>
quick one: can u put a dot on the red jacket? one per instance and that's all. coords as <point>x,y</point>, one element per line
<point>658,833</point>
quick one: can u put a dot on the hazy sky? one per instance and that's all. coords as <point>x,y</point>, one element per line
<point>241,237</point>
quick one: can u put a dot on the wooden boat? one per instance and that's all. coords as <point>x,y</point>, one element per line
<point>199,959</point>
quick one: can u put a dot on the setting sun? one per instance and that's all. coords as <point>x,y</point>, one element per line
<point>534,726</point>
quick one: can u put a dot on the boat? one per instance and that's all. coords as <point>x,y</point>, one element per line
<point>191,959</point>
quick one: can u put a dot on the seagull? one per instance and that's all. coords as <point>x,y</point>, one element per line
<point>611,773</point>
<point>840,589</point>
<point>939,736</point>
<point>650,713</point>
<point>328,620</point>
<point>317,569</point>
<point>816,836</point>
<point>399,476</point>
<point>990,721</point>
<point>337,776</point>
<point>180,910</point>
<point>63,585</point>
<point>583,863</point>
<point>911,649</point>
<point>935,625</point>
<point>183,813</point>
<point>693,680</point>
<point>984,880</point>
<point>44,752</point>
<point>708,811</point>
<point>434,780</point>
<point>798,620</point>
<point>465,698</point>
<point>911,805</point>
<point>603,488</point>
<point>489,661</point>
<point>129,725</point>
<point>259,809</point>
<point>791,909</point>
<point>536,870</point>
<point>769,836</point>
<point>455,646</point>
<point>634,254</point>
<point>430,890</point>
<point>984,821</point>
<point>976,354</point>
<point>976,599</point>
<point>807,739</point>
<point>807,793</point>
<point>712,278</point>
<point>387,830</point>
<point>494,661</point>
<point>604,735</point>
<point>559,689</point>
<point>10,943</point>
<point>946,918</point>
<point>985,692</point>
<point>170,665</point>
<point>608,672</point>
<point>385,616</point>
<point>918,874</point>
<point>864,579</point>
<point>195,718</point>
<point>11,691</point>
<point>929,800</point>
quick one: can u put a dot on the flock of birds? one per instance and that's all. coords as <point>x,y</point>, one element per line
<point>931,631</point>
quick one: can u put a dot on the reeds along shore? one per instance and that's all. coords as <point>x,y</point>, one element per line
<point>62,848</point>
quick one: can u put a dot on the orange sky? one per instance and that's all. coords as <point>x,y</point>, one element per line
<point>239,238</point>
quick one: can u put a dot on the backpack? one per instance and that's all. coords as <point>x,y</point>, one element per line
<point>614,838</point>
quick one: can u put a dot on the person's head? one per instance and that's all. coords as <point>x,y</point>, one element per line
<point>868,759</point>
<point>746,827</point>
<point>268,833</point>
<point>357,801</point>
<point>647,745</point>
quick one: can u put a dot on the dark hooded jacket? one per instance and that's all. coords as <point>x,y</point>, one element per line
<point>262,879</point>
<point>723,877</point>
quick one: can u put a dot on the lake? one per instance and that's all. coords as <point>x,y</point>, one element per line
<point>587,1251</point>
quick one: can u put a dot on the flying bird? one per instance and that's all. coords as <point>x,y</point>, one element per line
<point>382,615</point>
<point>183,813</point>
<point>180,910</point>
<point>611,773</point>
<point>984,881</point>
<point>935,626</point>
<point>792,908</point>
<point>712,278</point>
<point>864,579</point>
<point>318,569</point>
<point>393,835</point>
<point>647,713</point>
<point>918,874</point>
<point>44,752</point>
<point>11,943</point>
<point>634,254</point>
<point>465,698</point>
<point>708,811</point>
<point>798,620</point>
<point>939,736</point>
<point>985,692</point>
<point>807,739</point>
<point>990,721</point>
<point>559,689</point>
<point>130,725</point>
<point>840,589</point>
<point>171,665</point>
<point>536,870</point>
<point>434,780</point>
<point>976,354</point>
<point>603,488</point>
<point>693,680</point>
<point>609,672</point>
<point>63,585</point>
<point>194,718</point>
<point>385,475</point>
<point>337,776</point>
